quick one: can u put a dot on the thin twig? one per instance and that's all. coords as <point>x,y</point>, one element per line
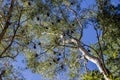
<point>79,22</point>
<point>101,51</point>
<point>15,31</point>
<point>7,21</point>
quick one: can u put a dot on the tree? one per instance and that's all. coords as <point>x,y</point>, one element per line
<point>51,39</point>
<point>109,15</point>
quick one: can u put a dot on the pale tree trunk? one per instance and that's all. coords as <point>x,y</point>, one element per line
<point>92,58</point>
<point>95,60</point>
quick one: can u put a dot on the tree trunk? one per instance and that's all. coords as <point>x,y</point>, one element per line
<point>93,59</point>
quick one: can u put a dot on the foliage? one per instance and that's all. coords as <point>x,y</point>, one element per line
<point>94,75</point>
<point>41,30</point>
<point>108,18</point>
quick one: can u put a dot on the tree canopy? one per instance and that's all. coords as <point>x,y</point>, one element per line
<point>49,35</point>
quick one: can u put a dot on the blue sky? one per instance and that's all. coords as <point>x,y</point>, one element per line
<point>89,37</point>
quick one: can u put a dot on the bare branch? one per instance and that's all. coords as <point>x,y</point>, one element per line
<point>101,51</point>
<point>77,19</point>
<point>93,59</point>
<point>91,48</point>
<point>15,31</point>
<point>7,21</point>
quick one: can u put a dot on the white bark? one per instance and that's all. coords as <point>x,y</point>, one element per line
<point>95,60</point>
<point>92,58</point>
<point>89,57</point>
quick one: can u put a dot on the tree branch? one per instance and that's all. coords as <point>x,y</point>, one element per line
<point>78,21</point>
<point>95,60</point>
<point>101,51</point>
<point>7,21</point>
<point>15,31</point>
<point>92,58</point>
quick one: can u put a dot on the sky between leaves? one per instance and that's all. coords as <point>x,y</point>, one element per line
<point>89,37</point>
